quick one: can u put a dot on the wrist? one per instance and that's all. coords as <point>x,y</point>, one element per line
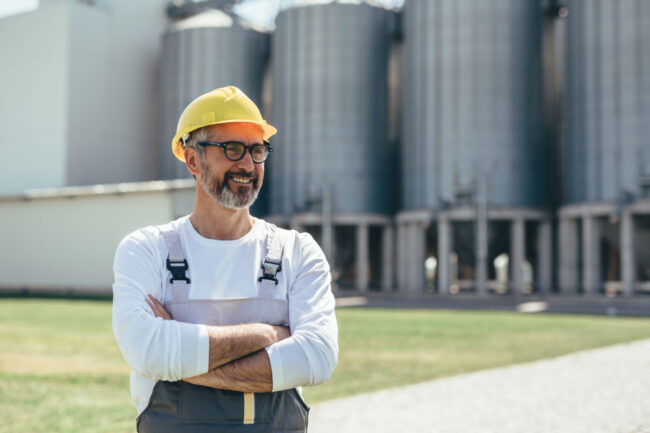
<point>279,333</point>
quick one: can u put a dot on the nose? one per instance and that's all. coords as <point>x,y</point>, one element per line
<point>246,162</point>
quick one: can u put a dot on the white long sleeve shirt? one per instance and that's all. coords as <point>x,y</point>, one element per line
<point>159,349</point>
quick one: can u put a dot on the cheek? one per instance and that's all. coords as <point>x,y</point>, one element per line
<point>217,169</point>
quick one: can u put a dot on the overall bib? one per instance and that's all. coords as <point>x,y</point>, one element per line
<point>187,408</point>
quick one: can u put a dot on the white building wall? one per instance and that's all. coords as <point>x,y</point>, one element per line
<point>33,98</point>
<point>66,242</point>
<point>88,155</point>
<point>114,91</point>
<point>79,86</point>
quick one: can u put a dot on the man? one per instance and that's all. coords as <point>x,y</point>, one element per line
<point>222,316</point>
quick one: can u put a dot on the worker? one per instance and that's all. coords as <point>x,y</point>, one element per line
<point>223,317</point>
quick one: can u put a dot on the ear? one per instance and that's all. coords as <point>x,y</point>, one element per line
<point>192,161</point>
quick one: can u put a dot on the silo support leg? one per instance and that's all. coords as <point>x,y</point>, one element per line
<point>517,248</point>
<point>388,264</point>
<point>591,256</point>
<point>444,249</point>
<point>481,256</point>
<point>362,257</point>
<point>401,252</point>
<point>568,256</point>
<point>544,258</point>
<point>418,257</point>
<point>407,252</point>
<point>627,253</point>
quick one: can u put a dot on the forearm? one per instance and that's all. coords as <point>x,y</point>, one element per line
<point>307,358</point>
<point>230,343</point>
<point>251,373</point>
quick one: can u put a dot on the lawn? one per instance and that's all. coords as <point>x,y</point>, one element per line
<point>61,370</point>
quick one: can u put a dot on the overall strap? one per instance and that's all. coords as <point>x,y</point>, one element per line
<point>176,264</point>
<point>272,262</point>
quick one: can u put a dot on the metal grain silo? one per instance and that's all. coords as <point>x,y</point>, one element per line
<point>606,182</point>
<point>200,53</point>
<point>472,150</point>
<point>330,106</point>
<point>607,108</point>
<point>472,102</point>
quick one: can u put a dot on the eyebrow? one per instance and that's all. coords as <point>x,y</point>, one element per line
<point>262,141</point>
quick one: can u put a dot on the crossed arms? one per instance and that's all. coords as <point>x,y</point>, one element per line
<point>251,357</point>
<point>237,360</point>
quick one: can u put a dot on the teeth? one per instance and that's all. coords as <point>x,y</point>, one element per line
<point>241,179</point>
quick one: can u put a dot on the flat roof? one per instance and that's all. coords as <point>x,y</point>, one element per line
<point>102,189</point>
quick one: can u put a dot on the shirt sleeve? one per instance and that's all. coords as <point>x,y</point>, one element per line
<point>155,348</point>
<point>309,356</point>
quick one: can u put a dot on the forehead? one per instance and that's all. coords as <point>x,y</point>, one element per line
<point>236,131</point>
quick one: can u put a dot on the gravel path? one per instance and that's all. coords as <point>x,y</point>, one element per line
<point>597,391</point>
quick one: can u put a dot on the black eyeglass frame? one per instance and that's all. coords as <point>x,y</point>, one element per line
<point>225,144</point>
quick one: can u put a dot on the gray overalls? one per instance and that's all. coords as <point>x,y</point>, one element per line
<point>187,408</point>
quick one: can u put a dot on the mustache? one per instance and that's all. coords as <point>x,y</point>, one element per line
<point>244,174</point>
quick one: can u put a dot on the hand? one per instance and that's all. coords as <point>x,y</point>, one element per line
<point>158,309</point>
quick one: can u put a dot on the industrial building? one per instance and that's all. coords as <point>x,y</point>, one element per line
<point>604,217</point>
<point>476,194</point>
<point>334,177</point>
<point>445,147</point>
<point>78,86</point>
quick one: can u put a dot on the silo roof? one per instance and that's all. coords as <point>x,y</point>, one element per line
<point>301,3</point>
<point>213,18</point>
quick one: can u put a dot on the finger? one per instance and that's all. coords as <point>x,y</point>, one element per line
<point>158,311</point>
<point>160,308</point>
<point>165,314</point>
<point>154,309</point>
<point>154,300</point>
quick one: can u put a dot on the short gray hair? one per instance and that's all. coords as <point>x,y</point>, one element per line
<point>197,135</point>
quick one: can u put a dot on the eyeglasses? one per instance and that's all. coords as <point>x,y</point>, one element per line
<point>235,150</point>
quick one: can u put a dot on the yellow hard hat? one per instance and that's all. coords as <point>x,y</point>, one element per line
<point>223,105</point>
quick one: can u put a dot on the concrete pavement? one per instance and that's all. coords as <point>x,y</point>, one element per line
<point>597,391</point>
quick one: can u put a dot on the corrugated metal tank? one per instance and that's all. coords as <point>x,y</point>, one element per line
<point>472,100</point>
<point>607,105</point>
<point>206,51</point>
<point>330,105</point>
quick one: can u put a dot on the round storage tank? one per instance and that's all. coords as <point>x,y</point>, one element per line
<point>472,113</point>
<point>330,105</point>
<point>607,106</point>
<point>206,51</point>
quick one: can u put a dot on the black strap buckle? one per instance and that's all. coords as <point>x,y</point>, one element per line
<point>270,269</point>
<point>177,268</point>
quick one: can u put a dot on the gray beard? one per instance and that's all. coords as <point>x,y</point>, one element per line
<point>222,194</point>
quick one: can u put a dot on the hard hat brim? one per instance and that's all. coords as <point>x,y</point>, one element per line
<point>177,144</point>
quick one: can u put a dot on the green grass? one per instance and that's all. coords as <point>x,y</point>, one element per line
<point>61,370</point>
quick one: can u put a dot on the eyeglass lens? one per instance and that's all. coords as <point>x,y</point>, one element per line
<point>235,151</point>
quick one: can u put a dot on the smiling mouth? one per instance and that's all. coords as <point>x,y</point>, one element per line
<point>242,180</point>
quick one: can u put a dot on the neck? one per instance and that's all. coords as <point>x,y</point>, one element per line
<point>213,221</point>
